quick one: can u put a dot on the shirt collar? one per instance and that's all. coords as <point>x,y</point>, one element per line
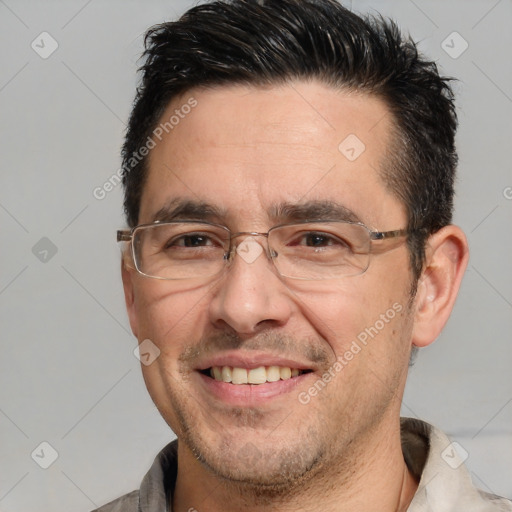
<point>445,484</point>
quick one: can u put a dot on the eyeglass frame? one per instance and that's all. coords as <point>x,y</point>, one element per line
<point>126,235</point>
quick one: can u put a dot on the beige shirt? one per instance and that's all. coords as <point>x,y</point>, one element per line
<point>445,484</point>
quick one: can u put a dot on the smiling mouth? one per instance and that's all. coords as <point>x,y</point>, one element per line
<point>260,375</point>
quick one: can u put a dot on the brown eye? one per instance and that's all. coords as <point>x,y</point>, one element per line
<point>318,240</point>
<point>190,241</point>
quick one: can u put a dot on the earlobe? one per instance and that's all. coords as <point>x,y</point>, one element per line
<point>129,297</point>
<point>446,260</point>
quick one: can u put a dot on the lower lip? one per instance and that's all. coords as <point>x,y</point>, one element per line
<point>250,394</point>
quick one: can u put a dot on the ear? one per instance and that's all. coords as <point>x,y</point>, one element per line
<point>447,256</point>
<point>127,274</point>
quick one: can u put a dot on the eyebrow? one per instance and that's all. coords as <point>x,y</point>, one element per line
<point>313,211</point>
<point>186,209</point>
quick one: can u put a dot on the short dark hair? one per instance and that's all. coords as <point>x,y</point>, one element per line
<point>271,42</point>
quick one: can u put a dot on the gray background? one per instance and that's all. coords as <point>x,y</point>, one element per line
<point>68,375</point>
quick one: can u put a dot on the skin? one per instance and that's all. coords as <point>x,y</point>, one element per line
<point>244,150</point>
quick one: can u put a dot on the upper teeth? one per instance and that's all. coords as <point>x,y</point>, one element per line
<point>254,375</point>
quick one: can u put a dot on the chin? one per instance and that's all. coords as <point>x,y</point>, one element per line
<point>259,467</point>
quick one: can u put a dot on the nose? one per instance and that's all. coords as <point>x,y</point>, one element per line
<point>250,296</point>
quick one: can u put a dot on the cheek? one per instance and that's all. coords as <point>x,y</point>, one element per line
<point>336,315</point>
<point>357,310</point>
<point>170,317</point>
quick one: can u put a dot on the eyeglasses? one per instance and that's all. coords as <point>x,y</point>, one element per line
<point>306,250</point>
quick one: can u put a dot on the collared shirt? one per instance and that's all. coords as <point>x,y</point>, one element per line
<point>445,484</point>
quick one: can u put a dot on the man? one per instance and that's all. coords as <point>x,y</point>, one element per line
<point>288,179</point>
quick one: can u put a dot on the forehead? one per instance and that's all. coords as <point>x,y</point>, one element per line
<point>247,150</point>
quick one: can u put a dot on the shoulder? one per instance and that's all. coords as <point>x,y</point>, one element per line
<point>127,503</point>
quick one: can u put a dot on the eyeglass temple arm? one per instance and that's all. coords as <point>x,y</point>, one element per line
<point>383,235</point>
<point>124,235</point>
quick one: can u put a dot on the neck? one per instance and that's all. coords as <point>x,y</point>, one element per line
<point>372,477</point>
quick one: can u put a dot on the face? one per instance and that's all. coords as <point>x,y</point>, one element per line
<point>258,158</point>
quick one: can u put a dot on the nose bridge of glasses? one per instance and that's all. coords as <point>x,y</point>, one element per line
<point>247,245</point>
<point>247,234</point>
